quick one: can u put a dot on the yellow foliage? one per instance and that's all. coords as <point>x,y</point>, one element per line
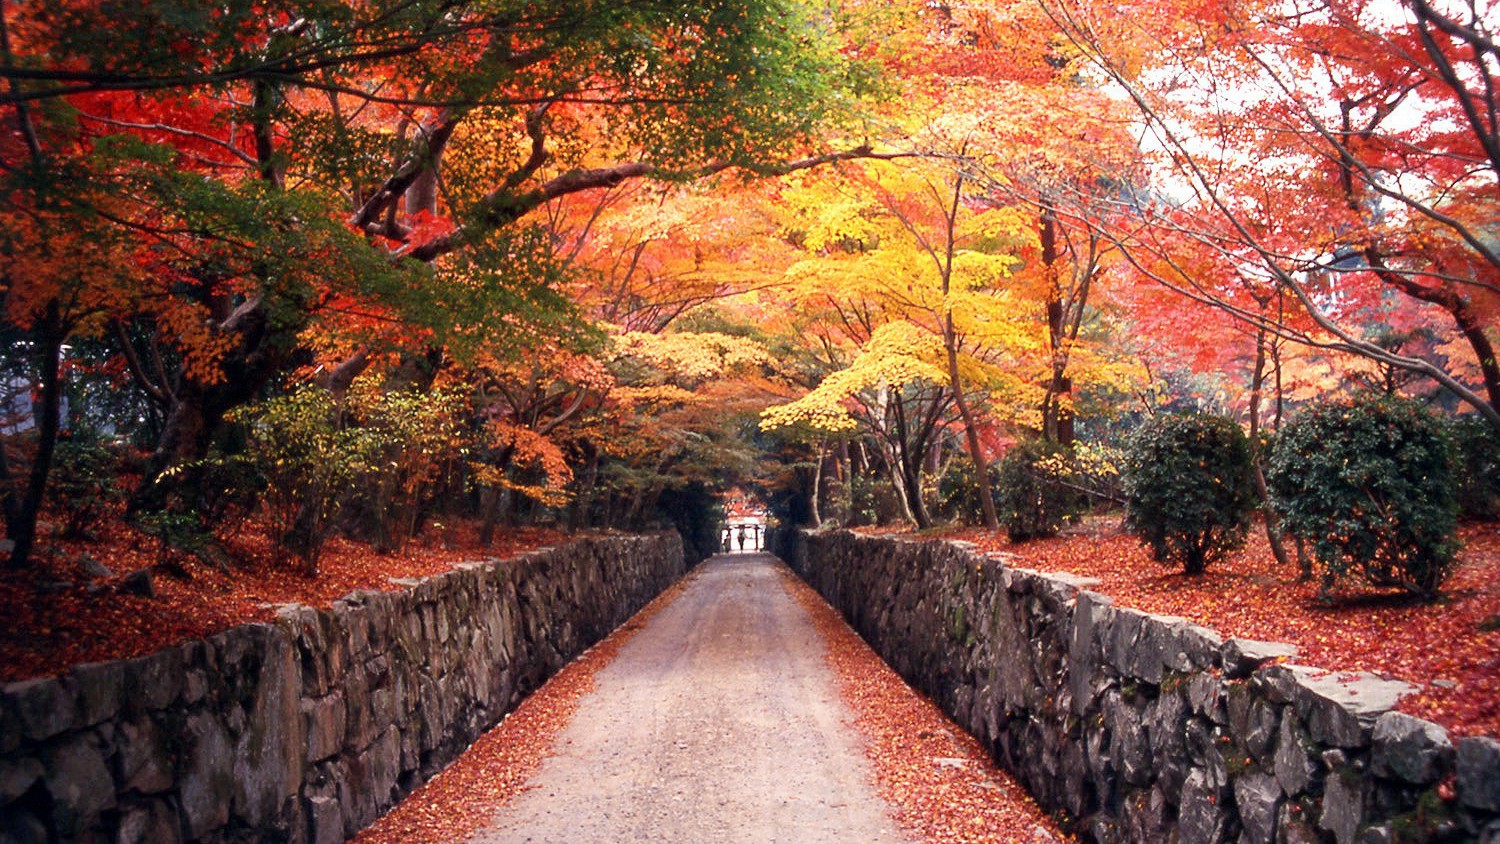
<point>897,354</point>
<point>690,356</point>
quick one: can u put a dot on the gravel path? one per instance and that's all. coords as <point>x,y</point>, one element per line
<point>718,721</point>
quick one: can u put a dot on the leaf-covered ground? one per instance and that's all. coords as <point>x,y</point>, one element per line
<point>1450,649</point>
<point>59,614</point>
<point>941,783</point>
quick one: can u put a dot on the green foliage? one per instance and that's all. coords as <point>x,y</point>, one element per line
<point>224,489</point>
<point>83,483</point>
<point>1035,492</point>
<point>1368,485</point>
<point>1187,488</point>
<point>310,460</point>
<point>1476,467</point>
<point>958,492</point>
<point>176,532</point>
<point>411,441</point>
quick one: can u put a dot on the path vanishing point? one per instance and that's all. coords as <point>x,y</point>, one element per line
<point>718,721</point>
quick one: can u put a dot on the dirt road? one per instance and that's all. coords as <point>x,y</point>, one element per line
<point>718,721</point>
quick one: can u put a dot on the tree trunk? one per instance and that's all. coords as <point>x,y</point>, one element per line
<point>21,515</point>
<point>197,412</point>
<point>1257,455</point>
<point>911,478</point>
<point>971,435</point>
<point>1057,418</point>
<point>813,512</point>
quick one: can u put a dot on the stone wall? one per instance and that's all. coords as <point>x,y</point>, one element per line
<point>1143,728</point>
<point>307,729</point>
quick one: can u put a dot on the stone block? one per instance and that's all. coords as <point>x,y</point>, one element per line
<point>207,786</point>
<point>97,686</point>
<point>17,775</point>
<point>1257,798</point>
<point>1124,640</point>
<point>1144,815</point>
<point>11,728</point>
<point>43,707</point>
<point>155,680</point>
<point>1242,657</point>
<point>383,766</point>
<point>325,719</point>
<point>1256,722</point>
<point>325,821</point>
<point>142,761</point>
<point>18,826</point>
<point>1201,814</point>
<point>1276,682</point>
<point>1192,647</point>
<point>1294,766</point>
<point>79,782</point>
<point>1341,709</point>
<point>360,727</point>
<point>1410,749</point>
<point>1296,829</point>
<point>1130,748</point>
<point>270,751</point>
<point>1478,765</point>
<point>149,822</point>
<point>1345,794</point>
<point>1166,723</point>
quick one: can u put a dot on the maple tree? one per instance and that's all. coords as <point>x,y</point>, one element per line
<point>1341,153</point>
<point>280,170</point>
<point>964,237</point>
<point>547,213</point>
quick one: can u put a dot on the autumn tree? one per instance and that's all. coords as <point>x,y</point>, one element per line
<point>282,165</point>
<point>1344,155</point>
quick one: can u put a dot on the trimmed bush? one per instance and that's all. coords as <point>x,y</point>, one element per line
<point>1187,488</point>
<point>1367,485</point>
<point>1032,491</point>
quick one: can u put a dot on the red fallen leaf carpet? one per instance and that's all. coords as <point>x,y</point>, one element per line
<point>1450,648</point>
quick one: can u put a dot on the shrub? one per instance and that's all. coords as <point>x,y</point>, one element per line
<point>83,483</point>
<point>1367,484</point>
<point>1476,466</point>
<point>414,439</point>
<point>310,461</point>
<point>1187,488</point>
<point>1033,493</point>
<point>958,492</point>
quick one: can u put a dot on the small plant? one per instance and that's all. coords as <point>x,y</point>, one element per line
<point>177,534</point>
<point>1368,485</point>
<point>413,438</point>
<point>1187,488</point>
<point>310,461</point>
<point>83,484</point>
<point>958,492</point>
<point>1034,491</point>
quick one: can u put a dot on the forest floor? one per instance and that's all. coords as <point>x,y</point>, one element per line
<point>75,604</point>
<point>1449,649</point>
